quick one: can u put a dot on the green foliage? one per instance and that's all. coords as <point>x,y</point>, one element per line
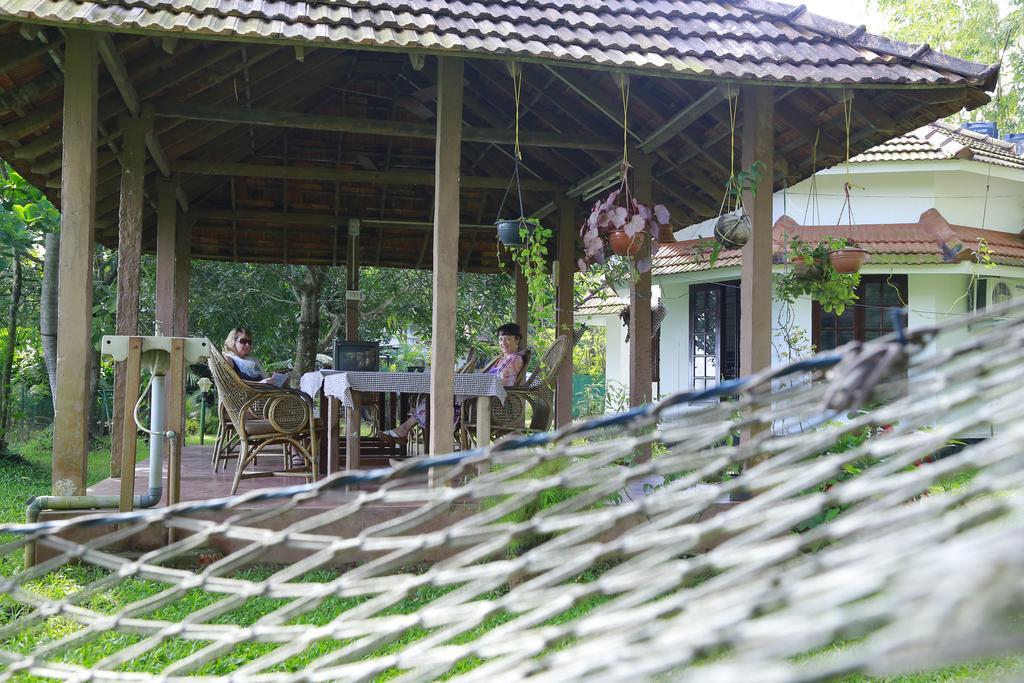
<point>817,278</point>
<point>973,30</point>
<point>708,248</point>
<point>532,258</point>
<point>845,442</point>
<point>742,181</point>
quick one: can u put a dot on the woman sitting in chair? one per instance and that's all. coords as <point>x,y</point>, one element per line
<point>238,348</point>
<point>508,366</point>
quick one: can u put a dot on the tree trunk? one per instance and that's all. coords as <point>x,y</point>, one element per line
<point>48,308</point>
<point>308,291</point>
<point>8,361</point>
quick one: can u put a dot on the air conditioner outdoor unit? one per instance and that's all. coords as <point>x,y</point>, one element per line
<point>987,292</point>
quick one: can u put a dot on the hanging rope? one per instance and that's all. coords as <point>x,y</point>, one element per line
<point>624,89</point>
<point>847,185</point>
<point>733,102</point>
<point>517,89</point>
<point>812,195</point>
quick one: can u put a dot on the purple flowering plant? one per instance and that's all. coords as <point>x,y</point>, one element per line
<point>620,211</point>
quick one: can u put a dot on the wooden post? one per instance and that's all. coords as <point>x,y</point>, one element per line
<point>175,422</point>
<point>352,279</point>
<point>131,371</point>
<point>446,251</point>
<point>756,277</point>
<point>182,278</point>
<point>74,292</point>
<point>563,305</point>
<point>129,257</point>
<point>522,310</point>
<point>166,242</point>
<point>640,375</point>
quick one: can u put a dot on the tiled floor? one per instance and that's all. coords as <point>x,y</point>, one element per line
<point>200,482</point>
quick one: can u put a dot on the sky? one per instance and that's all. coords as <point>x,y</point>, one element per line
<point>851,11</point>
<point>856,12</point>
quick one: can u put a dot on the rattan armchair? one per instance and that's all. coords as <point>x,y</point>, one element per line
<point>537,392</point>
<point>265,416</point>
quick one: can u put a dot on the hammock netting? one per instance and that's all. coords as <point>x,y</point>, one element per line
<point>822,519</point>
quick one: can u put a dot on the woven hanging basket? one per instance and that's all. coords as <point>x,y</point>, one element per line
<point>733,231</point>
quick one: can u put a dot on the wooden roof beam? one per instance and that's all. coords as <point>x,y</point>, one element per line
<point>594,96</point>
<point>111,104</point>
<point>317,220</point>
<point>119,73</point>
<point>344,124</point>
<point>812,134</point>
<point>682,120</point>
<point>348,175</point>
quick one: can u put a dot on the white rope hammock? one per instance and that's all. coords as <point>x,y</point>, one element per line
<point>552,565</point>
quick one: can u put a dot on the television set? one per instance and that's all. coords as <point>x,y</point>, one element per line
<point>356,355</point>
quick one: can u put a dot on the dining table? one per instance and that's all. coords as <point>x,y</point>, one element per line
<point>344,388</point>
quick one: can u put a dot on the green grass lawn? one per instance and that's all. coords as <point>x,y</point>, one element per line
<point>27,472</point>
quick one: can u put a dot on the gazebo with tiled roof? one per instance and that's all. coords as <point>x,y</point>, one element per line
<point>373,132</point>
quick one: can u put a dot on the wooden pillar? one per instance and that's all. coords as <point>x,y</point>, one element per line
<point>522,306</point>
<point>182,278</point>
<point>129,257</point>
<point>566,263</point>
<point>447,159</point>
<point>756,277</point>
<point>166,243</point>
<point>74,291</point>
<point>640,376</point>
<point>352,296</point>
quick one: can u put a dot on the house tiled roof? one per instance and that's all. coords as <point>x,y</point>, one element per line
<point>737,39</point>
<point>940,141</point>
<point>605,303</point>
<point>920,243</point>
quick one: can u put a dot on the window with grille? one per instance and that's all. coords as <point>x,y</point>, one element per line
<point>714,333</point>
<point>867,319</point>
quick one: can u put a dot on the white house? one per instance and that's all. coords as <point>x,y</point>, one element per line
<point>912,202</point>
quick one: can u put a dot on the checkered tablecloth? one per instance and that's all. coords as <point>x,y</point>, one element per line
<point>341,383</point>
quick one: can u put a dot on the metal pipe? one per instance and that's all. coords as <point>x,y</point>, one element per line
<point>157,437</point>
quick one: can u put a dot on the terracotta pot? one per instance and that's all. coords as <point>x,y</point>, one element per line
<point>733,231</point>
<point>803,269</point>
<point>848,259</point>
<point>624,245</point>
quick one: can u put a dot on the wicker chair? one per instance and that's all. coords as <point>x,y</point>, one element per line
<point>265,416</point>
<point>537,392</point>
<point>419,437</point>
<point>226,446</point>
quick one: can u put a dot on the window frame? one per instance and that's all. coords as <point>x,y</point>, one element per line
<point>721,288</point>
<point>859,311</point>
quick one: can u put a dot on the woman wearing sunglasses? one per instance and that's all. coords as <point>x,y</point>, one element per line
<point>238,350</point>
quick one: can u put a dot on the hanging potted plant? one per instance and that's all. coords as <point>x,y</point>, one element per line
<point>515,232</point>
<point>814,275</point>
<point>733,229</point>
<point>621,225</point>
<point>847,259</point>
<point>533,263</point>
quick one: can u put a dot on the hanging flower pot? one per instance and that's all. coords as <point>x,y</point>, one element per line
<point>847,259</point>
<point>808,271</point>
<point>733,230</point>
<point>508,231</point>
<point>624,245</point>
